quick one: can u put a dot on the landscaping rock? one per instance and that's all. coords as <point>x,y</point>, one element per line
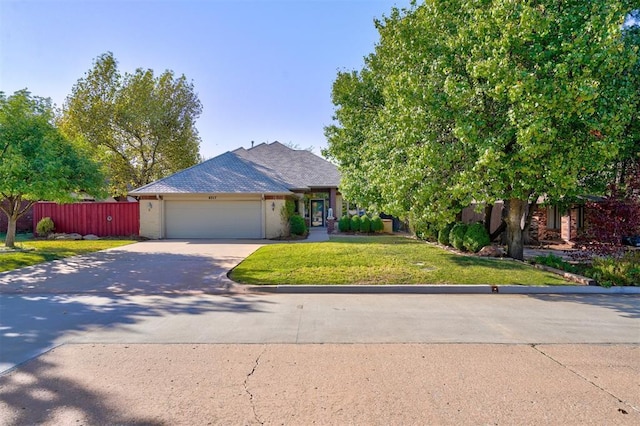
<point>71,236</point>
<point>90,237</point>
<point>491,251</point>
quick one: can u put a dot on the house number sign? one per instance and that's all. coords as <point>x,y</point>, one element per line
<point>212,197</point>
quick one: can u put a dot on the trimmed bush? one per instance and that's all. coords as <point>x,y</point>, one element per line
<point>297,225</point>
<point>355,223</point>
<point>344,223</point>
<point>376,224</point>
<point>610,271</point>
<point>45,226</point>
<point>443,235</point>
<point>456,236</point>
<point>476,237</point>
<point>365,224</point>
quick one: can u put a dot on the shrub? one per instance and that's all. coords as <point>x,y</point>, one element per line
<point>45,226</point>
<point>376,224</point>
<point>443,235</point>
<point>297,225</point>
<point>355,223</point>
<point>476,237</point>
<point>365,224</point>
<point>608,271</point>
<point>344,223</point>
<point>553,261</point>
<point>456,236</point>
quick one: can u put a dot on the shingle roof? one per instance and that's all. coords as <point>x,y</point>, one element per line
<point>299,169</point>
<point>265,168</point>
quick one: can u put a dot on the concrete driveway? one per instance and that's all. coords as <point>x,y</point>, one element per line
<point>150,267</point>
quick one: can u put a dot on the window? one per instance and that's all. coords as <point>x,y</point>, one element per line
<point>580,217</point>
<point>554,218</point>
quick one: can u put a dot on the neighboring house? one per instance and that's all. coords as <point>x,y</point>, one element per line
<point>240,194</point>
<point>551,222</point>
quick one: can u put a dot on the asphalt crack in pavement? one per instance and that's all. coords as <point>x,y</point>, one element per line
<point>586,379</point>
<point>246,386</point>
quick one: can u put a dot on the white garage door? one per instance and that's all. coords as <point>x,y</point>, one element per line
<point>213,219</point>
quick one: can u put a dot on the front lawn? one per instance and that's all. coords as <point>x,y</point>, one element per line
<point>380,260</point>
<point>47,250</point>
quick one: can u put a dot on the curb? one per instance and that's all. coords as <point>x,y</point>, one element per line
<point>440,289</point>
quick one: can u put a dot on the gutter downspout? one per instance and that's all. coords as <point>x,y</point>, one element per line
<point>263,206</point>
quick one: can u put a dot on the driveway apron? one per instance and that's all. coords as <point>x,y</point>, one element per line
<point>150,267</point>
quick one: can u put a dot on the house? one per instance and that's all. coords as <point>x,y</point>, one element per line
<point>240,194</point>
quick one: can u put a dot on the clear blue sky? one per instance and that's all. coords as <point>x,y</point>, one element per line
<point>263,69</point>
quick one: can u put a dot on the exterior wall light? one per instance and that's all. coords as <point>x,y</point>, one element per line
<point>273,206</point>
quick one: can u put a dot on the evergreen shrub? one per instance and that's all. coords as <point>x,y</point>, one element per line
<point>476,237</point>
<point>456,236</point>
<point>443,235</point>
<point>376,224</point>
<point>45,226</point>
<point>297,225</point>
<point>344,223</point>
<point>355,223</point>
<point>365,224</point>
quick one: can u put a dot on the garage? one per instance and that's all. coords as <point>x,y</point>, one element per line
<point>213,219</point>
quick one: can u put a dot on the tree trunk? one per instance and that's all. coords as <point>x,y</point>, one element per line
<point>488,210</point>
<point>515,246</point>
<point>526,232</point>
<point>10,240</point>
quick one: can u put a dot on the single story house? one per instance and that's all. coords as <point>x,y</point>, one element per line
<point>240,194</point>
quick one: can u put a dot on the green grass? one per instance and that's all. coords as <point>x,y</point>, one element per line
<point>47,250</point>
<point>380,260</point>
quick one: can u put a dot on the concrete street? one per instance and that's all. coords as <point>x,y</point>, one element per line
<point>156,334</point>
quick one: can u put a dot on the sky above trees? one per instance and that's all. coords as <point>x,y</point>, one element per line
<point>263,69</point>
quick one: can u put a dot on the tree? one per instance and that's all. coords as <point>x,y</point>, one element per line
<point>486,101</point>
<point>36,161</point>
<point>141,127</point>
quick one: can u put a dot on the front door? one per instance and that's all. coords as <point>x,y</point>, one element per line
<point>317,212</point>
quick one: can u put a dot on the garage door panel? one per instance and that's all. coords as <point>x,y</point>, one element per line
<point>213,219</point>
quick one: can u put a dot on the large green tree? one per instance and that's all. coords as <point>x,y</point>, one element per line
<point>489,100</point>
<point>140,126</point>
<point>36,161</point>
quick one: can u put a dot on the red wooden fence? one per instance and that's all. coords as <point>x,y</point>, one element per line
<point>101,219</point>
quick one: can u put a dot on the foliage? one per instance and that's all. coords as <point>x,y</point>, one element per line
<point>613,218</point>
<point>344,223</point>
<point>476,237</point>
<point>141,126</point>
<point>479,101</point>
<point>609,271</point>
<point>376,224</point>
<point>355,223</point>
<point>456,236</point>
<point>365,224</point>
<point>45,226</point>
<point>36,161</point>
<point>553,261</point>
<point>287,211</point>
<point>297,225</point>
<point>380,260</point>
<point>443,234</point>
